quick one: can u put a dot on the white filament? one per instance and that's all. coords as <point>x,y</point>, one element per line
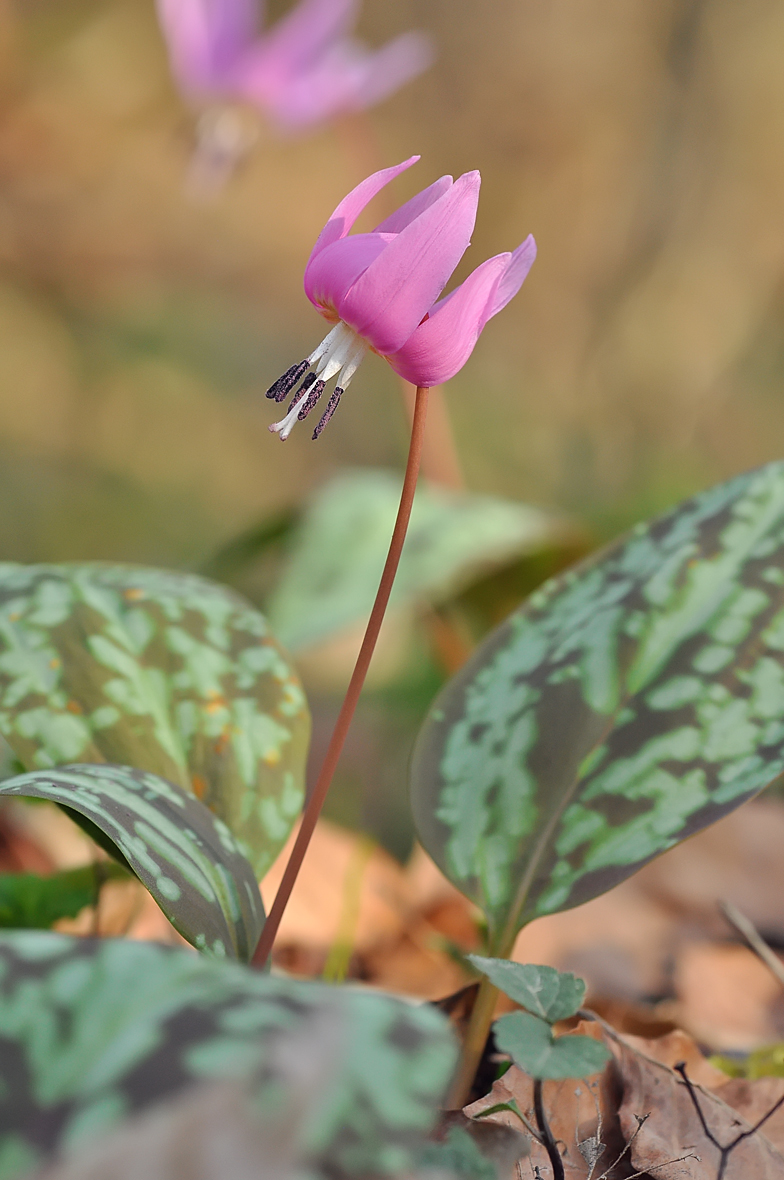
<point>339,355</point>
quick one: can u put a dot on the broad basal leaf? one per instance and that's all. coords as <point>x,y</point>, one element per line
<point>341,545</point>
<point>184,855</point>
<point>30,902</point>
<point>531,1045</point>
<point>163,671</point>
<point>93,1031</point>
<point>628,704</point>
<point>552,995</point>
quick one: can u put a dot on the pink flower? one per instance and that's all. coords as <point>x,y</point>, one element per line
<point>381,291</point>
<point>306,69</point>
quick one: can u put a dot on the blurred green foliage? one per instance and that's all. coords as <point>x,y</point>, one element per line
<point>767,1062</point>
<point>28,901</point>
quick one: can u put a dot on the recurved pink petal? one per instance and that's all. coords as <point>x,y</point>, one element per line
<point>511,281</point>
<point>335,270</point>
<point>443,343</point>
<point>205,38</point>
<point>411,209</point>
<point>399,288</point>
<point>351,206</point>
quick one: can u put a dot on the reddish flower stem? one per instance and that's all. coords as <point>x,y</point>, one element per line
<point>345,717</point>
<point>440,460</point>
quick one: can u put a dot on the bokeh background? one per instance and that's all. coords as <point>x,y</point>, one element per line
<point>641,143</point>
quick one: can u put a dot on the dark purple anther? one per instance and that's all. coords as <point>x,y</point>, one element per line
<point>286,383</point>
<point>311,399</point>
<point>332,405</point>
<point>304,387</point>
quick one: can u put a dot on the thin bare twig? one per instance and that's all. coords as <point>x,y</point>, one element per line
<point>345,717</point>
<point>749,932</point>
<point>723,1150</point>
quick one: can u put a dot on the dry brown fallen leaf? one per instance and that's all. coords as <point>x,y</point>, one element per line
<point>674,1047</point>
<point>641,1102</point>
<point>348,890</point>
<point>673,1128</point>
<point>738,858</point>
<point>753,1098</point>
<point>726,997</point>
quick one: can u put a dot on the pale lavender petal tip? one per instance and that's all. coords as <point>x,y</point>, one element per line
<point>520,262</point>
<point>351,206</point>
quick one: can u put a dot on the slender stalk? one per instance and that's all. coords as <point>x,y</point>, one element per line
<point>316,801</point>
<point>548,1142</point>
<point>440,460</point>
<point>473,1045</point>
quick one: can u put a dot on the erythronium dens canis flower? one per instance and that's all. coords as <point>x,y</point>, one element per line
<point>381,291</point>
<point>305,69</point>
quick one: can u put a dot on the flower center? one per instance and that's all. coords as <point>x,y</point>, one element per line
<point>339,355</point>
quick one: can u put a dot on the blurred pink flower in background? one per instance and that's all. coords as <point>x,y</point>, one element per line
<point>306,69</point>
<point>381,291</point>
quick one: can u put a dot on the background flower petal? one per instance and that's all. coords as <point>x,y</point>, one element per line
<point>301,36</point>
<point>399,288</point>
<point>319,90</point>
<point>390,67</point>
<point>205,38</point>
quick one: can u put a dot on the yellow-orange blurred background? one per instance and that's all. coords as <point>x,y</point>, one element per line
<point>641,141</point>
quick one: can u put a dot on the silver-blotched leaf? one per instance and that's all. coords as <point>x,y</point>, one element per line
<point>628,704</point>
<point>94,1031</point>
<point>163,671</point>
<point>182,853</point>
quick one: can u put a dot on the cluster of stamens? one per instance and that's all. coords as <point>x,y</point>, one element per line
<point>338,355</point>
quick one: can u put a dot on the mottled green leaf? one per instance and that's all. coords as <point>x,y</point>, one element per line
<point>31,902</point>
<point>628,704</point>
<point>162,671</point>
<point>93,1031</point>
<point>531,1045</point>
<point>459,1156</point>
<point>9,763</point>
<point>340,548</point>
<point>547,993</point>
<point>186,857</point>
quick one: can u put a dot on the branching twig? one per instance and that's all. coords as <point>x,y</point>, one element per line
<point>723,1150</point>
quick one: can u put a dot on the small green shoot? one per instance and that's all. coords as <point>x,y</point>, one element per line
<point>552,995</point>
<point>530,1043</point>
